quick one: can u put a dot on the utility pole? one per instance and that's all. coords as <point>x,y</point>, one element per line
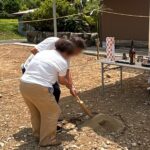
<point>100,24</point>
<point>54,18</point>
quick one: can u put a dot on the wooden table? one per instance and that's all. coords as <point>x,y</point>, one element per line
<point>105,67</point>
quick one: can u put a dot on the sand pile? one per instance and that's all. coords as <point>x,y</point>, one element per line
<point>104,123</point>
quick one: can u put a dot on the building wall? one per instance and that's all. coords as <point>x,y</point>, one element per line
<point>122,27</point>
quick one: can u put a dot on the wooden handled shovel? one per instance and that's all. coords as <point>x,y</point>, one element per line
<point>83,106</point>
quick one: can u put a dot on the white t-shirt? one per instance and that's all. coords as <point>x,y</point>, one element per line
<point>47,44</point>
<point>45,68</point>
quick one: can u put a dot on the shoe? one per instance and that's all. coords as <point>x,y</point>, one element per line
<point>52,143</point>
<point>59,129</point>
<point>60,120</point>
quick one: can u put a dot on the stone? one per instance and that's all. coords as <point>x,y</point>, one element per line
<point>134,144</point>
<point>1,96</point>
<point>108,142</point>
<point>38,36</point>
<point>1,144</point>
<point>22,127</point>
<point>108,76</point>
<point>69,126</point>
<point>125,148</point>
<point>74,146</point>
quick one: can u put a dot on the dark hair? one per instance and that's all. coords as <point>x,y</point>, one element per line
<point>65,46</point>
<point>79,42</point>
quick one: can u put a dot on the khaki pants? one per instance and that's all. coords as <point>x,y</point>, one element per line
<point>44,111</point>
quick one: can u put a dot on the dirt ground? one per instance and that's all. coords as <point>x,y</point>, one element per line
<point>131,105</point>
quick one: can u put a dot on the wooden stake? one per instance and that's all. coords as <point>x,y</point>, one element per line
<point>97,47</point>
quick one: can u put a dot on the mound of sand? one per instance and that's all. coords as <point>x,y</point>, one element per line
<point>104,123</point>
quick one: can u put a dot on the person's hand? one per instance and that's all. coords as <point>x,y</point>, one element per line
<point>73,91</point>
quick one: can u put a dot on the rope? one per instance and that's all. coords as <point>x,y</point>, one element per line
<point>123,14</point>
<point>102,11</point>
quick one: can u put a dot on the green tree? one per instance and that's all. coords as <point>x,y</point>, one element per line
<point>11,6</point>
<point>1,6</point>
<point>30,4</point>
<point>84,22</point>
<point>45,11</point>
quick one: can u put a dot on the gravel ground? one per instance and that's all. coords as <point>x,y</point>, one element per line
<point>131,105</point>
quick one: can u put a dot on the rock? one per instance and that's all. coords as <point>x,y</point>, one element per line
<point>108,76</point>
<point>125,148</point>
<point>1,96</point>
<point>105,146</point>
<point>67,106</point>
<point>21,127</point>
<point>73,146</point>
<point>87,117</point>
<point>1,144</point>
<point>38,36</point>
<point>108,142</point>
<point>17,145</point>
<point>139,143</point>
<point>69,126</point>
<point>25,135</point>
<point>134,144</point>
<point>80,114</point>
<point>9,138</point>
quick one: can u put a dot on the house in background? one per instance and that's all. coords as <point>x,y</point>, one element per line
<point>126,27</point>
<point>23,27</point>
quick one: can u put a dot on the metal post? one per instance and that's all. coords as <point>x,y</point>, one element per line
<point>54,18</point>
<point>100,24</point>
<point>102,77</point>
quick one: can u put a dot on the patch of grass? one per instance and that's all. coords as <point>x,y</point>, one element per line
<point>9,29</point>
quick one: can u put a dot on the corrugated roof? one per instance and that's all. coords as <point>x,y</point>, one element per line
<point>24,12</point>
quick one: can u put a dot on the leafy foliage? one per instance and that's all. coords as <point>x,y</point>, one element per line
<point>78,23</point>
<point>1,5</point>
<point>30,4</point>
<point>45,11</point>
<point>73,24</point>
<point>10,6</point>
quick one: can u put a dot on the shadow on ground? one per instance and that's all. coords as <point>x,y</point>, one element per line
<point>130,105</point>
<point>31,143</point>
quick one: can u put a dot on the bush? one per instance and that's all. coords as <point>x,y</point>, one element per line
<point>73,24</point>
<point>1,6</point>
<point>11,6</point>
<point>4,15</point>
